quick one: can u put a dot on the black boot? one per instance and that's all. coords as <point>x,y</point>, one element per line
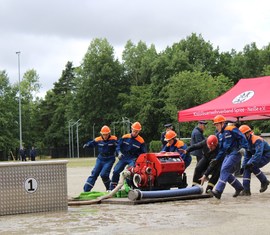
<point>264,186</point>
<point>184,180</point>
<point>245,192</point>
<point>215,193</point>
<point>237,192</point>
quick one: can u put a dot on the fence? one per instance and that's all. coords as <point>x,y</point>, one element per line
<point>63,152</point>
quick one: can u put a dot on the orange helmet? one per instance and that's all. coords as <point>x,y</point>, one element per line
<point>136,126</point>
<point>105,130</point>
<point>170,135</point>
<point>219,119</point>
<point>244,129</point>
<point>212,141</point>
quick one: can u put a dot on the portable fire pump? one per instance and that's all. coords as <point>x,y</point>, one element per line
<point>158,171</point>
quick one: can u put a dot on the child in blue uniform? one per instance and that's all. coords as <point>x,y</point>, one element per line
<point>106,147</point>
<point>258,157</point>
<point>230,140</point>
<point>175,145</point>
<point>129,148</point>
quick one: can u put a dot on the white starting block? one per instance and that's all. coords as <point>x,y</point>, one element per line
<point>28,187</point>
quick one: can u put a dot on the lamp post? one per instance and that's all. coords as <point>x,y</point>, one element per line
<point>77,134</point>
<point>71,124</point>
<point>69,137</point>
<point>20,110</point>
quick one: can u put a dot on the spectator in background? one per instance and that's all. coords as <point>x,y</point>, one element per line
<point>168,127</point>
<point>33,154</point>
<point>196,137</point>
<point>22,154</point>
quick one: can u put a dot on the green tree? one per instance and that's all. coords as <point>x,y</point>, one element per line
<point>56,108</point>
<point>9,135</point>
<point>29,88</point>
<point>141,106</point>
<point>100,81</point>
<point>189,89</point>
<point>265,57</point>
<point>201,54</point>
<point>168,63</point>
<point>253,61</point>
<point>137,61</point>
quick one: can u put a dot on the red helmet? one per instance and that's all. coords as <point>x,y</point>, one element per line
<point>212,141</point>
<point>219,119</point>
<point>136,126</point>
<point>244,129</point>
<point>105,130</point>
<point>170,135</point>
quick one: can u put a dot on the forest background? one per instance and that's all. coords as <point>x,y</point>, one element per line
<point>144,85</point>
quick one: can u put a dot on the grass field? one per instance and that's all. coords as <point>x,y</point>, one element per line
<point>72,162</point>
<point>80,162</point>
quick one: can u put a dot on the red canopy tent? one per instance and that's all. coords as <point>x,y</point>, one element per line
<point>249,99</point>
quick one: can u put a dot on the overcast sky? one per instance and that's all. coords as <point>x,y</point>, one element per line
<point>49,33</point>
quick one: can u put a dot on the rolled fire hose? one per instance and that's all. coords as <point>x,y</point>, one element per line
<point>138,194</point>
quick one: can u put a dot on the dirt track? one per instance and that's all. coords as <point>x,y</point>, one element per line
<point>241,215</point>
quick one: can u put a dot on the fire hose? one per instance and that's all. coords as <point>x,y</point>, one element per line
<point>138,194</point>
<point>123,176</point>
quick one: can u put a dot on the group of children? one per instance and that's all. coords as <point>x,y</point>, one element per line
<point>231,142</point>
<point>127,150</point>
<point>221,153</point>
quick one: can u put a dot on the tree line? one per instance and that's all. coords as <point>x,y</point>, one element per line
<point>145,85</point>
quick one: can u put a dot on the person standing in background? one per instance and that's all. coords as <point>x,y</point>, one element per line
<point>33,154</point>
<point>22,154</point>
<point>196,137</point>
<point>168,127</point>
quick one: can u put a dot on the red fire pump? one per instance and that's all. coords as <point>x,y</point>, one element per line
<point>158,171</point>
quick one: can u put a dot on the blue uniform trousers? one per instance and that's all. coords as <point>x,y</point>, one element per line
<point>226,172</point>
<point>256,171</point>
<point>103,168</point>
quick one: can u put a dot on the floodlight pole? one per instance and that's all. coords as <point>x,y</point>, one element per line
<point>71,124</point>
<point>20,110</point>
<point>77,134</point>
<point>69,137</point>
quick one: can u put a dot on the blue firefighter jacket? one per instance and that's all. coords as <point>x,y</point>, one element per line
<point>106,148</point>
<point>230,139</point>
<point>259,149</point>
<point>176,147</point>
<point>131,147</point>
